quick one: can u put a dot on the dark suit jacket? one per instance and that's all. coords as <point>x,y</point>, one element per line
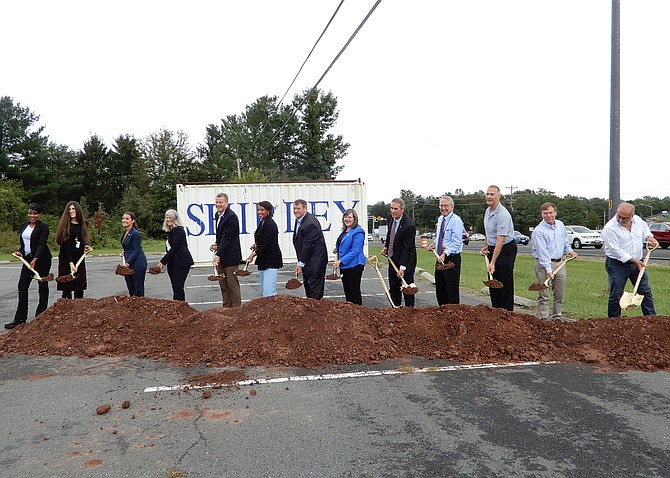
<point>39,247</point>
<point>228,239</point>
<point>178,257</point>
<point>310,245</point>
<point>268,253</point>
<point>132,250</point>
<point>404,249</point>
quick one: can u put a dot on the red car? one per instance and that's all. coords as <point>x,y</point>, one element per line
<point>661,232</point>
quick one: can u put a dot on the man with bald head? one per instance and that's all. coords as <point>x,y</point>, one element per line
<point>624,237</point>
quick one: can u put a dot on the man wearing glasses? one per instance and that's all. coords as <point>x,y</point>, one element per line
<point>624,237</point>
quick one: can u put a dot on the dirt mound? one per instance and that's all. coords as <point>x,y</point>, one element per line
<point>286,330</point>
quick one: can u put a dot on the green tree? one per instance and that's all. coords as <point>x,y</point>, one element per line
<point>12,205</point>
<point>93,166</point>
<point>19,137</point>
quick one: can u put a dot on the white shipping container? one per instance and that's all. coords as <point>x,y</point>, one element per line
<point>326,200</point>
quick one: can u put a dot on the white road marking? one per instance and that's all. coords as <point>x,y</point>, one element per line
<point>337,376</point>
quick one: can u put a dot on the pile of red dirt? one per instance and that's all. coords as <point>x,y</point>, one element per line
<point>286,330</point>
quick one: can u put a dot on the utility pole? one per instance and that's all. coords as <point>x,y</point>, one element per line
<point>511,197</point>
<point>615,163</point>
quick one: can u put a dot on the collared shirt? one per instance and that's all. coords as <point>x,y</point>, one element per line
<point>622,244</point>
<point>549,241</point>
<point>498,223</point>
<point>452,242</point>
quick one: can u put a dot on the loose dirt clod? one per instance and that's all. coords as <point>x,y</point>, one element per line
<point>290,331</point>
<point>102,409</point>
<point>125,404</point>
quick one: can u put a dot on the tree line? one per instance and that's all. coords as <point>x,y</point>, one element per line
<point>268,141</point>
<point>523,205</point>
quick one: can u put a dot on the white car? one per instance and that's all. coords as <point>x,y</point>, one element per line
<point>580,236</point>
<point>477,237</point>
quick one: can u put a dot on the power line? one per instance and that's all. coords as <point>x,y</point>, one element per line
<point>295,110</point>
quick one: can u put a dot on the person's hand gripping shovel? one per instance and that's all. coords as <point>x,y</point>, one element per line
<point>547,283</point>
<point>215,276</point>
<point>409,289</point>
<point>492,283</point>
<point>631,300</point>
<point>38,277</point>
<point>70,277</point>
<point>440,265</point>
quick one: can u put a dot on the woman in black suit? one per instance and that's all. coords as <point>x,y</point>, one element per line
<point>266,249</point>
<point>72,235</point>
<point>34,249</point>
<point>178,258</point>
<point>133,255</point>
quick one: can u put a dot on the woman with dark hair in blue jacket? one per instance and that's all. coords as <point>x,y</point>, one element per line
<point>133,255</point>
<point>351,259</point>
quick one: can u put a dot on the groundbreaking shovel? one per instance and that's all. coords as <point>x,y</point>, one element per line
<point>38,277</point>
<point>123,269</point>
<point>373,261</point>
<point>545,285</point>
<point>630,300</point>
<point>70,277</point>
<point>335,275</point>
<point>409,289</point>
<point>243,272</point>
<point>216,276</point>
<point>293,283</point>
<point>440,265</point>
<point>492,283</point>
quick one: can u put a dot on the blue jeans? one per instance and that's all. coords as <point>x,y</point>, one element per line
<point>268,278</point>
<point>618,273</point>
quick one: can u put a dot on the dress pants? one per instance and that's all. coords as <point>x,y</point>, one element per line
<point>351,283</point>
<point>177,280</point>
<point>557,286</point>
<point>618,273</point>
<point>394,287</point>
<point>447,282</point>
<point>504,298</point>
<point>230,286</point>
<point>314,283</point>
<point>25,278</point>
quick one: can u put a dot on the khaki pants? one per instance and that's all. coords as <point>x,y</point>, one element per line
<point>230,286</point>
<point>557,285</point>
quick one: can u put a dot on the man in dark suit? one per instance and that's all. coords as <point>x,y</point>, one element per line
<point>401,249</point>
<point>227,251</point>
<point>310,248</point>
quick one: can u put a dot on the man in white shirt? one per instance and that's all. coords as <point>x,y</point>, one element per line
<point>624,237</point>
<point>448,244</point>
<point>549,244</point>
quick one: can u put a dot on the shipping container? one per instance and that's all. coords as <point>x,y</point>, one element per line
<point>327,200</point>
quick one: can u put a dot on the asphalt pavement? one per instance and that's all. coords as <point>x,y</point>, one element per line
<point>424,418</point>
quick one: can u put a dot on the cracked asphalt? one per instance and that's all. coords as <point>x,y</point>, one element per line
<point>558,420</point>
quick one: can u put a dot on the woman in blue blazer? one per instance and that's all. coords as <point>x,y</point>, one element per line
<point>351,259</point>
<point>133,255</point>
<point>178,258</point>
<point>34,249</point>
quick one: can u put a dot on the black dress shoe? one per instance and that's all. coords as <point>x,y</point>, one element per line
<point>13,324</point>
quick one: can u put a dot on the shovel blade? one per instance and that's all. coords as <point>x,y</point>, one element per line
<point>538,286</point>
<point>67,278</point>
<point>630,301</point>
<point>293,284</point>
<point>241,273</point>
<point>493,284</point>
<point>214,278</point>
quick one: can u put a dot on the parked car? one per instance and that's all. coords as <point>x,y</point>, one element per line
<point>661,231</point>
<point>521,238</point>
<point>477,237</point>
<point>466,238</point>
<point>580,236</point>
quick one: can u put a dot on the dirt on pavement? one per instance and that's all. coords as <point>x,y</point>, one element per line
<point>290,331</point>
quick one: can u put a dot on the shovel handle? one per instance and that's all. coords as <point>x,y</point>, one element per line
<point>486,260</point>
<point>560,266</point>
<point>87,249</point>
<point>373,262</point>
<point>438,256</point>
<point>402,279</point>
<point>27,264</point>
<point>644,266</point>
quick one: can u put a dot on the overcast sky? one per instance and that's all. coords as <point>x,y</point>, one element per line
<point>433,95</point>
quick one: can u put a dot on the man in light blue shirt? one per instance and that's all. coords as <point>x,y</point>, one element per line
<point>549,244</point>
<point>448,244</point>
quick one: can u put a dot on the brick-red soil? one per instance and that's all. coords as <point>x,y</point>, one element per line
<point>286,330</point>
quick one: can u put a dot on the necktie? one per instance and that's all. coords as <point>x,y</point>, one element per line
<point>295,228</point>
<point>392,238</point>
<point>440,238</point>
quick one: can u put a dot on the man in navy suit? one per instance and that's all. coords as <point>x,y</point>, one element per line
<point>227,251</point>
<point>310,247</point>
<point>401,249</point>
